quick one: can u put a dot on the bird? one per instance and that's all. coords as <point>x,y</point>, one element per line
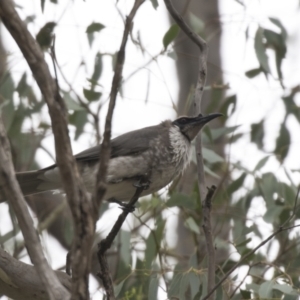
<point>159,153</point>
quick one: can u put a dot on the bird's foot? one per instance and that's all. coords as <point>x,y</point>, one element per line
<point>143,183</point>
<point>124,206</point>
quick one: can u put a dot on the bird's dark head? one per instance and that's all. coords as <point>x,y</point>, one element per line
<point>190,126</point>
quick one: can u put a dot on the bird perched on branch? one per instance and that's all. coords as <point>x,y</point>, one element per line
<point>159,153</point>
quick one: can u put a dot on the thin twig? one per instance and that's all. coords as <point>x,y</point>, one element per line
<point>106,243</point>
<point>280,229</point>
<point>206,208</point>
<point>117,79</point>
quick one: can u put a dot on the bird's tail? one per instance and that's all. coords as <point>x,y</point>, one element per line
<point>30,182</point>
<point>34,182</point>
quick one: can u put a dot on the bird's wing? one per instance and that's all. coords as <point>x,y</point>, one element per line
<point>130,143</point>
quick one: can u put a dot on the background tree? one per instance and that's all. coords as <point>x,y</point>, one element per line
<point>260,194</point>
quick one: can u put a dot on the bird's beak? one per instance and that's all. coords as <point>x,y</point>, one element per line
<point>195,125</point>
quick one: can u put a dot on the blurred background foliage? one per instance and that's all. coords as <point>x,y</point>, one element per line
<point>155,258</point>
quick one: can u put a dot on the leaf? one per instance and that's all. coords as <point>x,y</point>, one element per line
<point>284,288</point>
<point>272,213</point>
<point>91,29</point>
<point>71,103</point>
<point>230,102</point>
<point>170,35</point>
<point>192,225</point>
<point>260,50</point>
<point>278,23</point>
<point>174,286</point>
<point>154,4</point>
<point>182,200</point>
<point>78,119</point>
<point>153,288</point>
<point>236,184</point>
<point>97,69</point>
<point>211,156</point>
<point>261,163</point>
<point>125,246</point>
<point>184,282</point>
<point>253,73</point>
<point>196,23</point>
<point>118,288</point>
<point>245,294</point>
<point>194,281</point>
<point>220,132</point>
<point>91,95</point>
<point>265,289</point>
<point>282,143</point>
<point>257,134</point>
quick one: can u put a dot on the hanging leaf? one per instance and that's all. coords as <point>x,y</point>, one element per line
<point>260,50</point>
<point>282,143</point>
<point>91,29</point>
<point>230,102</point>
<point>257,134</point>
<point>97,70</point>
<point>261,163</point>
<point>154,4</point>
<point>253,73</point>
<point>170,35</point>
<point>91,95</point>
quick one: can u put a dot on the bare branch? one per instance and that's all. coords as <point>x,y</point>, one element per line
<point>206,208</point>
<point>13,193</point>
<point>81,207</point>
<point>105,244</point>
<point>15,285</point>
<point>105,147</point>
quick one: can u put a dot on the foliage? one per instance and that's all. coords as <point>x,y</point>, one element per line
<point>255,201</point>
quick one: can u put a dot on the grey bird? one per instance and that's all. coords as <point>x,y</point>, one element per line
<point>159,153</point>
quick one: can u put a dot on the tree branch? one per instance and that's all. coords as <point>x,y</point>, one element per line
<point>106,243</point>
<point>202,72</point>
<point>13,193</point>
<point>81,207</point>
<point>116,82</point>
<point>15,285</point>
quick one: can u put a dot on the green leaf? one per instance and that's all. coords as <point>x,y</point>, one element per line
<point>97,70</point>
<point>71,103</point>
<point>253,73</point>
<point>91,95</point>
<point>91,29</point>
<point>118,288</point>
<point>236,184</point>
<point>197,24</point>
<point>220,132</point>
<point>174,286</point>
<point>154,4</point>
<point>260,50</point>
<point>182,200</point>
<point>278,23</point>
<point>257,134</point>
<point>78,119</point>
<point>282,143</point>
<point>192,225</point>
<point>170,35</point>
<point>230,102</point>
<point>125,246</point>
<point>272,213</point>
<point>245,294</point>
<point>261,163</point>
<point>184,282</point>
<point>284,288</point>
<point>265,289</point>
<point>211,156</point>
<point>194,283</point>
<point>153,288</point>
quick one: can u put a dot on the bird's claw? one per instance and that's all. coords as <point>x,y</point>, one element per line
<point>142,183</point>
<point>124,206</point>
